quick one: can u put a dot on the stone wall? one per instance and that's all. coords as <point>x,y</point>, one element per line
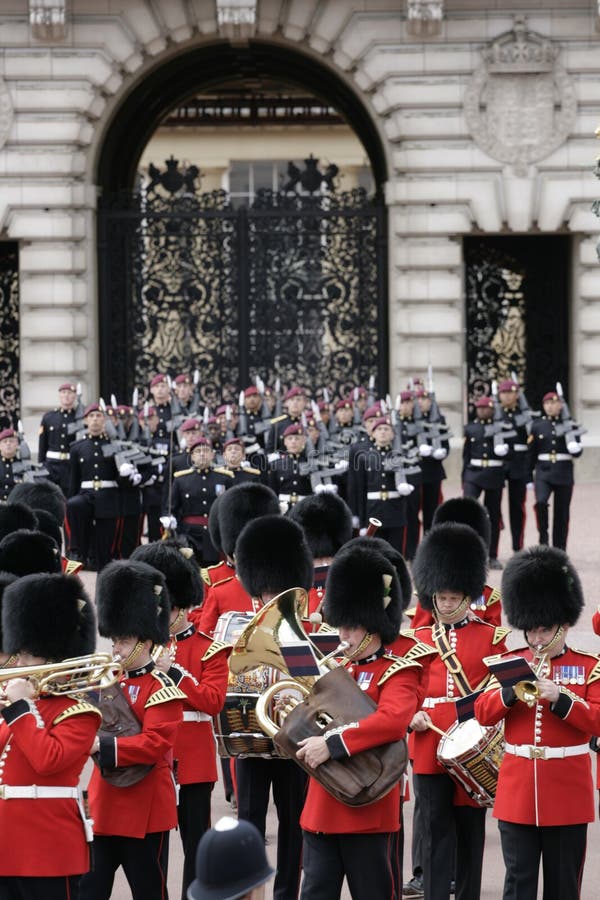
<point>414,65</point>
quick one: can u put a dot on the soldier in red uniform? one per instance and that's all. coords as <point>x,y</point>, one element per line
<point>198,666</point>
<point>45,742</point>
<point>132,824</point>
<point>339,840</point>
<point>449,570</point>
<point>545,793</point>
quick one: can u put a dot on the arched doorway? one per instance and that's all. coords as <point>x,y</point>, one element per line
<point>293,286</point>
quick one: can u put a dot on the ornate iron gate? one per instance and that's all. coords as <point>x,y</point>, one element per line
<point>291,287</point>
<point>9,334</point>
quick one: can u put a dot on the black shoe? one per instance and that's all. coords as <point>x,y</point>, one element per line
<point>414,887</point>
<point>496,564</point>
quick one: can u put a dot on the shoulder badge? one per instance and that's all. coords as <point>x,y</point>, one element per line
<point>77,709</point>
<point>410,611</point>
<point>500,633</point>
<point>221,470</point>
<point>251,470</point>
<point>182,472</point>
<point>399,663</point>
<point>419,649</point>
<point>594,675</point>
<point>408,632</point>
<point>205,576</point>
<point>494,595</point>
<point>278,419</point>
<point>215,647</point>
<point>167,691</point>
<point>72,567</point>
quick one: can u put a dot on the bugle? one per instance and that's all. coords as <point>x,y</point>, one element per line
<point>69,677</point>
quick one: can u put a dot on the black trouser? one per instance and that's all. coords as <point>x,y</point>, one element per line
<point>492,500</point>
<point>517,491</point>
<point>364,859</point>
<point>560,521</point>
<point>62,887</point>
<point>59,472</point>
<point>394,536</point>
<point>130,534</point>
<point>448,828</point>
<point>145,862</point>
<point>417,832</point>
<point>413,526</point>
<point>193,815</point>
<point>255,777</point>
<point>562,850</point>
<point>153,514</point>
<point>91,536</point>
<point>431,497</point>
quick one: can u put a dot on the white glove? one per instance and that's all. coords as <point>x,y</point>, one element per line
<point>355,521</point>
<point>404,488</point>
<point>135,478</point>
<point>160,469</point>
<point>150,481</point>
<point>440,453</point>
<point>425,449</point>
<point>168,522</point>
<point>501,449</point>
<point>320,488</point>
<point>125,470</point>
<point>530,485</point>
<point>362,532</point>
<point>341,464</point>
<point>330,488</point>
<point>573,446</point>
<point>273,457</point>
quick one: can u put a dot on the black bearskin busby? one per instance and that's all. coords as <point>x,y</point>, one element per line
<point>133,601</point>
<point>47,524</point>
<point>49,616</point>
<point>541,588</point>
<point>40,494</point>
<point>6,578</point>
<point>272,555</point>
<point>466,511</point>
<point>214,525</point>
<point>16,517</point>
<point>326,521</point>
<point>363,590</point>
<point>451,557</point>
<point>27,552</point>
<point>396,559</point>
<point>240,505</point>
<point>182,574</point>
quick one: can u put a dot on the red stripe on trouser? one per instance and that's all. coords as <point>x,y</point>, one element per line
<point>163,880</point>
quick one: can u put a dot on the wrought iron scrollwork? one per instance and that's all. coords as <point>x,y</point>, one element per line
<point>9,334</point>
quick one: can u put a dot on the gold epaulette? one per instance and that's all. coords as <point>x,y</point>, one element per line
<point>399,663</point>
<point>495,597</point>
<point>72,567</point>
<point>278,419</point>
<point>168,691</point>
<point>409,633</point>
<point>77,709</point>
<point>419,648</point>
<point>500,632</point>
<point>215,648</point>
<point>410,612</point>
<point>221,470</point>
<point>251,470</point>
<point>595,673</point>
<point>182,472</point>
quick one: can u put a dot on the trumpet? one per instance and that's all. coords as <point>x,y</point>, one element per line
<point>529,691</point>
<point>68,677</point>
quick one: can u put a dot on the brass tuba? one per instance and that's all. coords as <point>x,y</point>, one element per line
<point>331,700</point>
<point>69,677</point>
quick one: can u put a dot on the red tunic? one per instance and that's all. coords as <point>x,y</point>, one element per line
<point>201,672</point>
<point>46,743</point>
<point>226,596</point>
<point>488,608</point>
<point>396,700</point>
<point>150,805</point>
<point>475,640</point>
<point>548,791</point>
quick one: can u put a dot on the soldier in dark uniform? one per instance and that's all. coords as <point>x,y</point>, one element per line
<point>9,445</point>
<point>518,467</point>
<point>552,455</point>
<point>54,438</point>
<point>93,505</point>
<point>184,403</point>
<point>284,476</point>
<point>189,431</point>
<point>411,439</point>
<point>483,470</point>
<point>194,491</point>
<point>432,469</point>
<point>234,458</point>
<point>252,417</point>
<point>295,401</point>
<point>372,491</point>
<point>155,491</point>
<point>161,394</point>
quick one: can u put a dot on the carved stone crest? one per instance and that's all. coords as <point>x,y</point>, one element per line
<point>520,104</point>
<point>6,113</point>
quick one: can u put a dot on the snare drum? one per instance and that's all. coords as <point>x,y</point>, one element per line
<point>472,754</point>
<point>236,728</point>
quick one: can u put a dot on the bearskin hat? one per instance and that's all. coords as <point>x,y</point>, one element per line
<point>271,555</point>
<point>451,557</point>
<point>6,578</point>
<point>363,590</point>
<point>396,559</point>
<point>26,552</point>
<point>15,517</point>
<point>40,494</point>
<point>183,576</point>
<point>541,588</point>
<point>238,506</point>
<point>214,525</point>
<point>47,524</point>
<point>133,601</point>
<point>326,521</point>
<point>49,616</point>
<point>466,511</point>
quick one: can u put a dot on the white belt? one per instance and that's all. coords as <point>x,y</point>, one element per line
<point>382,495</point>
<point>55,454</point>
<point>520,448</point>
<point>430,702</point>
<point>554,457</point>
<point>194,715</point>
<point>96,484</point>
<point>484,463</point>
<point>35,792</point>
<point>287,498</point>
<point>528,751</point>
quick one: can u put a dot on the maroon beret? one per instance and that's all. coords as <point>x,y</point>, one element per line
<point>294,392</point>
<point>7,433</point>
<point>158,379</point>
<point>508,385</point>
<point>191,425</point>
<point>183,379</point>
<point>199,442</point>
<point>405,396</point>
<point>233,440</point>
<point>250,391</point>
<point>68,386</point>
<point>93,407</point>
<point>551,395</point>
<point>344,404</point>
<point>293,429</point>
<point>484,403</point>
<point>381,420</point>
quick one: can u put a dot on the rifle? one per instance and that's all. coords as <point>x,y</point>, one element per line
<point>119,425</point>
<point>499,430</point>
<point>371,391</point>
<point>525,414</point>
<point>77,424</point>
<point>110,429</point>
<point>435,429</point>
<point>278,400</point>
<point>134,431</point>
<point>568,428</point>
<point>24,451</point>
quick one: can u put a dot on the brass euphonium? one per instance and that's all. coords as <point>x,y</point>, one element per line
<point>69,676</point>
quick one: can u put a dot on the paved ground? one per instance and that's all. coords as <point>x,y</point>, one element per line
<point>584,551</point>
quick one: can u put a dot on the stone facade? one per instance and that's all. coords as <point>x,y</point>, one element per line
<point>468,149</point>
